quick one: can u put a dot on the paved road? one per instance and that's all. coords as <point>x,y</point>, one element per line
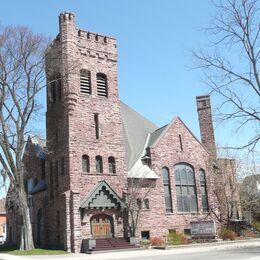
<point>228,251</point>
<point>228,254</point>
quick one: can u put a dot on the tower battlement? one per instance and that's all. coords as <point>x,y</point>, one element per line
<point>98,38</point>
<point>66,16</point>
<point>68,31</point>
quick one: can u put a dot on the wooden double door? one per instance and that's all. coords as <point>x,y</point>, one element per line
<point>102,226</point>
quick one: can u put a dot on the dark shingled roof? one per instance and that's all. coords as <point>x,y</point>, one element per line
<point>40,186</point>
<point>155,135</point>
<point>136,130</point>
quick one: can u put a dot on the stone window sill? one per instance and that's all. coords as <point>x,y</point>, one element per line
<point>188,213</point>
<point>98,173</point>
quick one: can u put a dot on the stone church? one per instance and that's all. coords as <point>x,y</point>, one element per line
<point>78,179</point>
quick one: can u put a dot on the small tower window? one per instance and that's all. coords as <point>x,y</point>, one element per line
<point>99,164</point>
<point>112,164</point>
<point>180,140</point>
<point>85,84</point>
<point>102,85</point>
<point>53,92</point>
<point>146,204</point>
<point>96,119</point>
<point>85,163</point>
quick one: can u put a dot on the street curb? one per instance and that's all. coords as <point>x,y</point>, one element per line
<point>220,243</point>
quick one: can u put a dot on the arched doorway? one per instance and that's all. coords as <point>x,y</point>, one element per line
<point>102,226</point>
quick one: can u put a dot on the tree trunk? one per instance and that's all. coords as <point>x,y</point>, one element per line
<point>26,228</point>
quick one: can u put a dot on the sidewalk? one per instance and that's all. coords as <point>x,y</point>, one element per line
<point>140,253</point>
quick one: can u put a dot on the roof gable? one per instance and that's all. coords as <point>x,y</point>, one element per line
<point>165,129</point>
<point>102,196</point>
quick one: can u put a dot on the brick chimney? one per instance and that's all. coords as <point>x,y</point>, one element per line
<point>206,124</point>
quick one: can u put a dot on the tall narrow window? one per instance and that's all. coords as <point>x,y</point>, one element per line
<point>112,164</point>
<point>180,140</point>
<point>99,164</point>
<point>58,219</point>
<point>96,119</point>
<point>203,188</point>
<point>185,188</point>
<point>53,92</point>
<point>51,180</point>
<point>85,83</point>
<point>43,168</point>
<point>59,88</point>
<point>85,163</point>
<point>102,85</point>
<point>167,190</point>
<point>62,166</point>
<point>56,174</point>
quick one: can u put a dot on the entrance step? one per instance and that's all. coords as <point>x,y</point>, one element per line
<point>103,244</point>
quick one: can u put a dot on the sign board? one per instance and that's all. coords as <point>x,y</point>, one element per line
<point>203,229</point>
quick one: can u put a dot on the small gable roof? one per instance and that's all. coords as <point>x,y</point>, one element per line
<point>39,145</point>
<point>102,196</point>
<point>40,186</point>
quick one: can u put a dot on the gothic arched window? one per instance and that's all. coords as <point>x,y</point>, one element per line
<point>99,164</point>
<point>85,163</point>
<point>185,188</point>
<point>112,164</point>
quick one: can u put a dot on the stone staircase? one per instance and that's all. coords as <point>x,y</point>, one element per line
<point>103,244</point>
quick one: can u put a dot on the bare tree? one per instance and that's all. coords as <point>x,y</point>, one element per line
<point>21,79</point>
<point>136,199</point>
<point>250,189</point>
<point>231,65</point>
<point>225,186</point>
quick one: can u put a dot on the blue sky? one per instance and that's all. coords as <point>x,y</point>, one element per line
<point>155,38</point>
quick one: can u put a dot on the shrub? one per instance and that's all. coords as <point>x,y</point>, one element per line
<point>145,243</point>
<point>226,233</point>
<point>156,241</point>
<point>249,233</point>
<point>176,238</point>
<point>256,225</point>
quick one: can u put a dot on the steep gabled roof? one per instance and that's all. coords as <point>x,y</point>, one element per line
<point>156,135</point>
<point>136,130</point>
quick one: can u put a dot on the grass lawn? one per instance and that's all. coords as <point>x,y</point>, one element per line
<point>36,251</point>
